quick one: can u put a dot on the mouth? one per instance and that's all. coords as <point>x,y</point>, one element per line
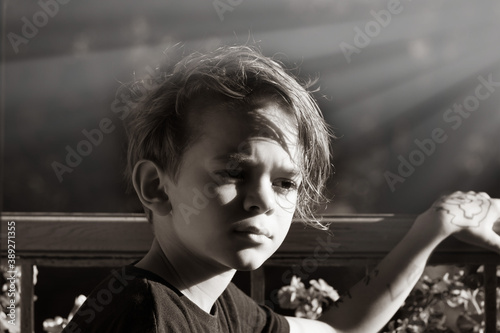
<point>252,231</point>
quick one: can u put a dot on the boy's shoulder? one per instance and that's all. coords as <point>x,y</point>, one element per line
<point>123,300</point>
<point>134,300</point>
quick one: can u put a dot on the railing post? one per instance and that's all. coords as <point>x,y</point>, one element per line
<point>258,285</point>
<point>490,301</point>
<point>27,294</point>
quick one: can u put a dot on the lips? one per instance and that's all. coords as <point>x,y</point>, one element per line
<point>252,229</point>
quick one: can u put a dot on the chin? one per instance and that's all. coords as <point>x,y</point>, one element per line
<point>249,268</point>
<point>248,261</point>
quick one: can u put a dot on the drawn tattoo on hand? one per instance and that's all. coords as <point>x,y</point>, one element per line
<point>464,210</point>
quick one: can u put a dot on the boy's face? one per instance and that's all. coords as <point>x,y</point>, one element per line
<point>236,191</point>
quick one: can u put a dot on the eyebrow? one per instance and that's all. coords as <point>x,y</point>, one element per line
<point>246,160</point>
<point>234,157</point>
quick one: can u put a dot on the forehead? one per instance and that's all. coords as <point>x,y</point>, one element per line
<point>229,131</point>
<point>237,122</point>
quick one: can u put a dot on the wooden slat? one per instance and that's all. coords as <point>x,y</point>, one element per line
<point>87,262</point>
<point>345,260</point>
<point>27,294</point>
<point>258,285</point>
<point>360,234</point>
<point>80,235</point>
<point>490,301</point>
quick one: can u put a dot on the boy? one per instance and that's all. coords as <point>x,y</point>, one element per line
<point>223,153</point>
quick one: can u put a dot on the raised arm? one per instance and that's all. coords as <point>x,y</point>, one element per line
<point>372,302</point>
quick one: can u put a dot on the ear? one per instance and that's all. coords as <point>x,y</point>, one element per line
<point>147,179</point>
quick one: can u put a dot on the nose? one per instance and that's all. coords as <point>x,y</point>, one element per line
<point>259,198</point>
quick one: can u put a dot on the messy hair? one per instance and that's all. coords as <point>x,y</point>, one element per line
<point>158,128</point>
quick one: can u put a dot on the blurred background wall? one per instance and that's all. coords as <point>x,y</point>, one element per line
<point>409,87</point>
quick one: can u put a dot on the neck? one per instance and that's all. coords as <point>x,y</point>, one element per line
<point>199,282</point>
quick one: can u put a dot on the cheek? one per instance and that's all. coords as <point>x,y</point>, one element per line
<point>221,195</point>
<point>282,228</point>
<point>202,189</point>
<point>287,202</point>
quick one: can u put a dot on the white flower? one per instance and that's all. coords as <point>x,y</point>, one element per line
<point>325,289</point>
<point>289,297</point>
<point>310,311</point>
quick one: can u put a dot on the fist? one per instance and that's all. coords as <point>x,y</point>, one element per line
<point>467,210</point>
<point>470,217</point>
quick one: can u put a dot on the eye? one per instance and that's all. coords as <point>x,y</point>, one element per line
<point>285,185</point>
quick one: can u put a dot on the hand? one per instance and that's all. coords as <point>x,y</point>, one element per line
<point>469,217</point>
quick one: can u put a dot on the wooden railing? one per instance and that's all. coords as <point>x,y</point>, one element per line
<point>50,239</point>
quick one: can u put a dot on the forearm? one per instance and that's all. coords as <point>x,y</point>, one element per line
<point>371,303</point>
